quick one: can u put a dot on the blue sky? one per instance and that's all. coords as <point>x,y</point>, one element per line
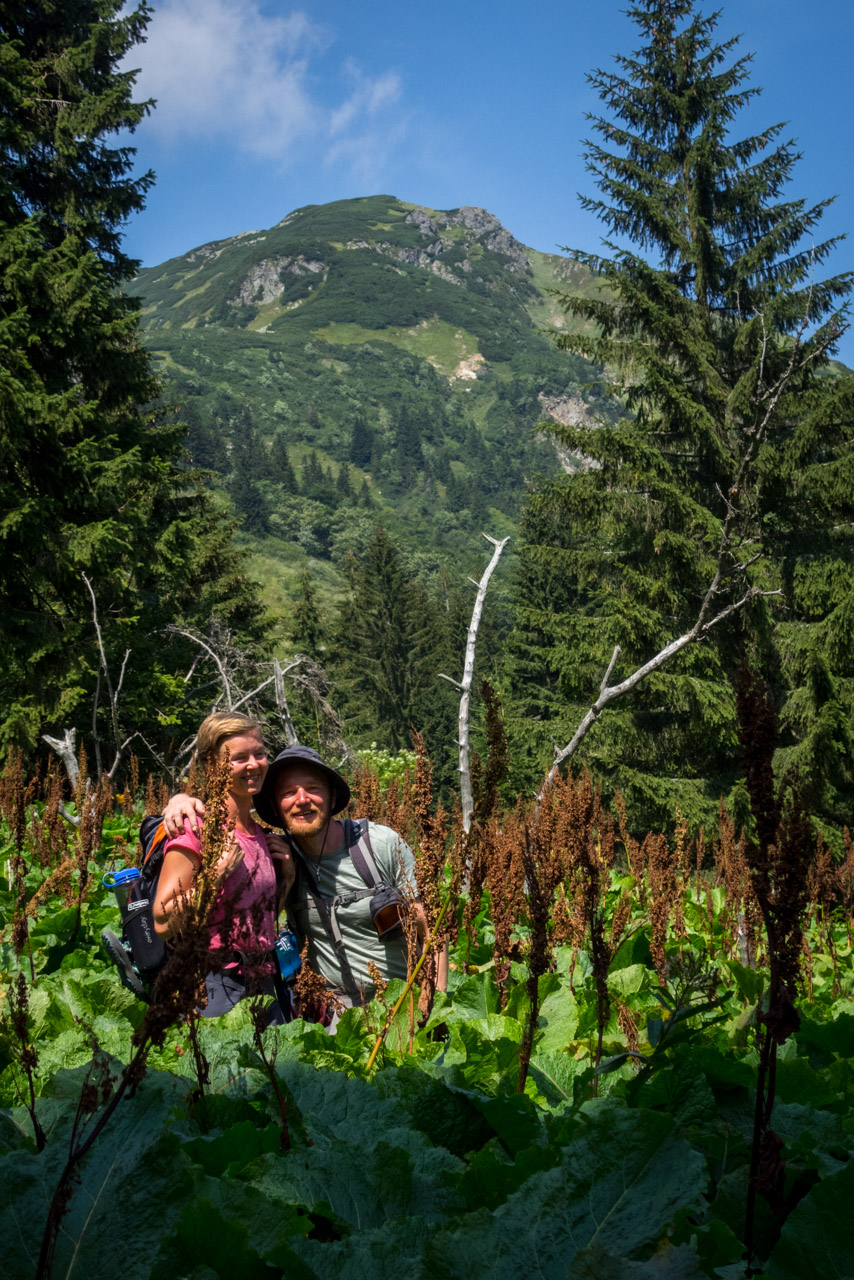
<point>263,108</point>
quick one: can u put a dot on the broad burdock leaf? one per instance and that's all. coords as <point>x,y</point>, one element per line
<point>205,1241</point>
<point>393,1251</point>
<point>492,1052</point>
<point>816,1239</point>
<point>477,997</point>
<point>132,1185</point>
<point>622,1180</point>
<point>681,1091</point>
<point>557,1021</point>
<point>823,1041</point>
<point>553,1075</point>
<point>629,980</point>
<point>451,1117</point>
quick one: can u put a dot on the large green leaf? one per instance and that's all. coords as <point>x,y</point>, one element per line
<point>823,1040</point>
<point>205,1242</point>
<point>477,997</point>
<point>448,1116</point>
<point>553,1075</point>
<point>492,1052</point>
<point>622,1180</point>
<point>132,1186</point>
<point>816,1239</point>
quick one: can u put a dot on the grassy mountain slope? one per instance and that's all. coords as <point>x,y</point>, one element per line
<point>363,359</point>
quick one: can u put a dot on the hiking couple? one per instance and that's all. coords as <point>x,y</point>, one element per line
<point>344,883</point>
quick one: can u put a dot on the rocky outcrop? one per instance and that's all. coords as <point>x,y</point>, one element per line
<point>421,219</point>
<point>467,369</point>
<point>471,216</point>
<point>501,241</point>
<point>480,222</point>
<point>301,266</point>
<point>426,258</point>
<point>570,411</point>
<point>263,282</point>
<point>215,247</point>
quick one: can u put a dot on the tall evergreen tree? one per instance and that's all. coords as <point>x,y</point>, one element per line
<point>280,464</point>
<point>315,481</point>
<point>205,444</point>
<point>91,482</point>
<point>250,465</point>
<point>728,471</point>
<point>385,664</point>
<point>361,443</point>
<point>306,629</point>
<point>343,487</point>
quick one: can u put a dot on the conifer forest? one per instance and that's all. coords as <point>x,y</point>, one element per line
<point>552,557</point>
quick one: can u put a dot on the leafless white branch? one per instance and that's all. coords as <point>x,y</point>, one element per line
<point>464,686</point>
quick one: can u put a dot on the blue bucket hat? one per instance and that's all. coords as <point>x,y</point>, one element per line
<point>265,801</point>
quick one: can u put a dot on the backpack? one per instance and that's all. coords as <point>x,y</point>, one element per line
<point>141,953</point>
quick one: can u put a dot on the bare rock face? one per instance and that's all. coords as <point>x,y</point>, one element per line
<point>426,258</point>
<point>421,219</point>
<point>263,281</point>
<point>215,247</point>
<point>476,219</point>
<point>501,241</point>
<point>306,266</point>
<point>571,411</point>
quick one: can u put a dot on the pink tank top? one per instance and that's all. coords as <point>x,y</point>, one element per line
<point>248,895</point>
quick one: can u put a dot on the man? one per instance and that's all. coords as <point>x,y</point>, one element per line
<point>343,873</point>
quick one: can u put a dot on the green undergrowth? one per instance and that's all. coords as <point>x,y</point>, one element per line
<point>432,1164</point>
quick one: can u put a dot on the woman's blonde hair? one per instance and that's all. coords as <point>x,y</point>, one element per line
<point>217,728</point>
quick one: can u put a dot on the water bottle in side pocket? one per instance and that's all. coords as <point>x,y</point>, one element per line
<point>287,954</point>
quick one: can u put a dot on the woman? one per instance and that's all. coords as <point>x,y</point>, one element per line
<point>242,921</point>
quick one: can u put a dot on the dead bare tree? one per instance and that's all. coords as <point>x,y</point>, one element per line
<point>464,686</point>
<point>231,668</point>
<point>65,746</point>
<point>734,534</point>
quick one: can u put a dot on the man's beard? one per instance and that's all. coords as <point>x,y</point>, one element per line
<point>312,828</point>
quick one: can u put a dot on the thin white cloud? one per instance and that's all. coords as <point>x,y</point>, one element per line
<point>223,70</point>
<point>367,99</point>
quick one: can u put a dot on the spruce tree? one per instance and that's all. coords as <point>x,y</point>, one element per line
<point>280,464</point>
<point>343,487</point>
<point>92,482</point>
<point>315,481</point>
<point>380,659</point>
<point>726,463</point>
<point>361,443</point>
<point>204,443</point>
<point>306,629</point>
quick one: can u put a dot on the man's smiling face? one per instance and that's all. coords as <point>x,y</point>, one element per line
<point>303,800</point>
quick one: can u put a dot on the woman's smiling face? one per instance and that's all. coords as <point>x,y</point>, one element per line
<point>248,759</point>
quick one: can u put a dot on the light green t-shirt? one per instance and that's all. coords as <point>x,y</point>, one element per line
<point>335,874</point>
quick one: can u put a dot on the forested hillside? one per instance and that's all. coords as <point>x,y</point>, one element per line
<point>361,361</point>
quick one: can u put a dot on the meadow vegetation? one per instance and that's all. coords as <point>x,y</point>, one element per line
<point>586,1089</point>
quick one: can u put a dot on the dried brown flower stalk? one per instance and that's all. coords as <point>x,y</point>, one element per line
<point>498,857</point>
<point>24,1054</point>
<point>779,856</point>
<point>629,1027</point>
<point>312,995</point>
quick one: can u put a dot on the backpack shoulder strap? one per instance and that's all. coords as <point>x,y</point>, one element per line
<point>152,840</point>
<point>326,910</point>
<point>361,852</point>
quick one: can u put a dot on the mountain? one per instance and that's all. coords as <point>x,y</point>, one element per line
<point>361,360</point>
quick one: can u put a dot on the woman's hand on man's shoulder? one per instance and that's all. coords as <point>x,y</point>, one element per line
<point>179,808</point>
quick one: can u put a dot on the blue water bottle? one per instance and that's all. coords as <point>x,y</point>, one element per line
<point>121,883</point>
<point>287,954</point>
